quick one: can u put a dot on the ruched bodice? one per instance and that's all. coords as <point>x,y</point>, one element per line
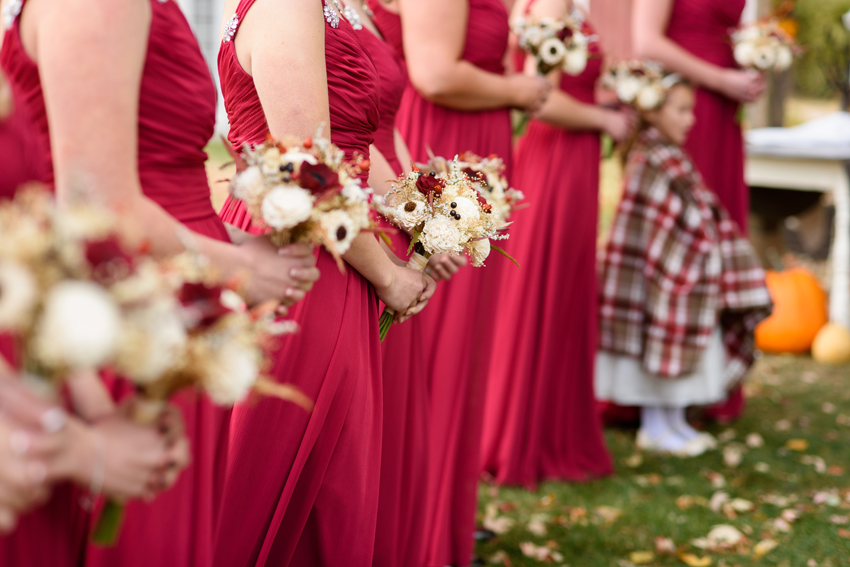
<point>702,27</point>
<point>393,80</point>
<point>177,102</point>
<point>353,89</point>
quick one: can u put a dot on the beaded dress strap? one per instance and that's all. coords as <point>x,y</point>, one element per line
<point>233,24</point>
<point>11,13</point>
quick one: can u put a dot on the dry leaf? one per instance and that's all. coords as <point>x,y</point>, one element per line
<point>499,525</point>
<point>741,506</point>
<point>797,445</point>
<point>641,557</point>
<point>684,501</point>
<point>844,532</point>
<point>499,558</point>
<point>828,407</point>
<point>835,519</point>
<point>724,536</point>
<point>664,545</point>
<point>633,461</point>
<point>835,470</point>
<point>693,561</point>
<point>536,526</point>
<point>817,462</point>
<point>733,454</point>
<point>608,514</point>
<point>754,440</point>
<point>828,497</point>
<point>782,425</point>
<point>726,436</point>
<point>718,499</point>
<point>764,547</point>
<point>717,480</point>
<point>762,467</point>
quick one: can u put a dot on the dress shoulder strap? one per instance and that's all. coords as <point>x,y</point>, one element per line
<point>11,13</point>
<point>233,24</point>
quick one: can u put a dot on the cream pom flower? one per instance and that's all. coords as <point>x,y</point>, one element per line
<point>531,37</point>
<point>247,184</point>
<point>441,235</point>
<point>79,327</point>
<point>479,250</point>
<point>745,54</point>
<point>649,97</point>
<point>354,192</point>
<point>18,295</point>
<point>764,58</point>
<point>152,341</point>
<point>233,372</point>
<point>286,206</point>
<point>575,61</point>
<point>410,214</point>
<point>784,58</point>
<point>628,88</point>
<point>466,210</point>
<point>340,229</point>
<point>552,51</point>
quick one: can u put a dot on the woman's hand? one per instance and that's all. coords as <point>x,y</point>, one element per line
<point>529,93</point>
<point>403,289</point>
<point>618,124</point>
<point>442,267</point>
<point>284,274</point>
<point>178,451</point>
<point>430,288</point>
<point>741,85</point>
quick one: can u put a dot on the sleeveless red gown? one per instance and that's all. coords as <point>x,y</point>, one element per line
<point>540,418</point>
<point>715,143</point>
<point>404,448</point>
<point>60,521</point>
<point>458,320</point>
<point>176,119</point>
<point>302,489</point>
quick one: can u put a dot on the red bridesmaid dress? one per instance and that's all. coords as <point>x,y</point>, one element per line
<point>459,318</point>
<point>715,143</point>
<point>404,448</point>
<point>60,521</point>
<point>302,489</point>
<point>540,419</point>
<point>176,119</point>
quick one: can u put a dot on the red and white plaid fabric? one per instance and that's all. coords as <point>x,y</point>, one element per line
<point>674,268</point>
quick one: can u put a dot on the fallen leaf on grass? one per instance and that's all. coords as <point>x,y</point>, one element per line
<point>741,506</point>
<point>782,425</point>
<point>548,500</point>
<point>828,497</point>
<point>835,470</point>
<point>724,535</point>
<point>633,461</point>
<point>717,480</point>
<point>500,558</point>
<point>726,436</point>
<point>664,545</point>
<point>733,455</point>
<point>817,462</point>
<point>537,524</point>
<point>539,552</point>
<point>608,514</point>
<point>797,445</point>
<point>641,557</point>
<point>499,525</point>
<point>842,419</point>
<point>835,519</point>
<point>844,532</point>
<point>694,561</point>
<point>754,440</point>
<point>764,547</point>
<point>828,407</point>
<point>718,499</point>
<point>762,467</point>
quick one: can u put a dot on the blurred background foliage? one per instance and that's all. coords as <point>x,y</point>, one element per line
<point>822,71</point>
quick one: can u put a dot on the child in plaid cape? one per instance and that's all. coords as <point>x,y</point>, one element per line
<point>680,290</point>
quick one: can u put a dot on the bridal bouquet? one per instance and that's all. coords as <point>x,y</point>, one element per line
<point>304,191</point>
<point>77,297</point>
<point>445,214</point>
<point>556,44</point>
<point>488,174</point>
<point>643,84</point>
<point>764,45</point>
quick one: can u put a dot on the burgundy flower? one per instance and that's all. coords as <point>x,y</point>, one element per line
<point>565,33</point>
<point>471,173</point>
<point>203,302</point>
<point>429,183</point>
<point>108,259</point>
<point>318,178</point>
<point>487,207</point>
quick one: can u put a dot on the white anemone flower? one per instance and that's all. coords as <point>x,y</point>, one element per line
<point>286,206</point>
<point>628,88</point>
<point>410,214</point>
<point>340,228</point>
<point>745,54</point>
<point>764,58</point>
<point>784,58</point>
<point>552,51</point>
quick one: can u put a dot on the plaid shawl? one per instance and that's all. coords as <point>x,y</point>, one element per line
<point>675,266</point>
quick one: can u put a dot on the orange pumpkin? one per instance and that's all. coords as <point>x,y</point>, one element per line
<point>799,312</point>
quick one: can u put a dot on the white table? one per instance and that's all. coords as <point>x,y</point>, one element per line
<point>812,157</point>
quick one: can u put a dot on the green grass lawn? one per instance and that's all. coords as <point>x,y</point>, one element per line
<point>795,483</point>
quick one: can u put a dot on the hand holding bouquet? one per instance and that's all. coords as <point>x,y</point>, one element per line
<point>77,297</point>
<point>557,44</point>
<point>445,214</point>
<point>764,45</point>
<point>304,191</point>
<point>642,84</point>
